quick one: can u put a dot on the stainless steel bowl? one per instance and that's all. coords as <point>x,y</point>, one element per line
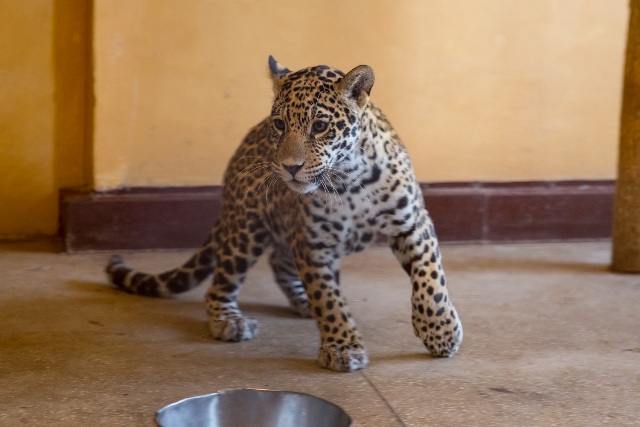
<point>253,408</point>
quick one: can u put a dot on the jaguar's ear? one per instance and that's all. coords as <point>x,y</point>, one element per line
<point>356,85</point>
<point>277,72</point>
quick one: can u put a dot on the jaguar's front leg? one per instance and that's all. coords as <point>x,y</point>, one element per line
<point>341,348</point>
<point>226,321</point>
<point>434,318</point>
<point>237,252</point>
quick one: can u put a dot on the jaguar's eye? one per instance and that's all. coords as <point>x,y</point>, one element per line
<point>319,126</point>
<point>279,124</point>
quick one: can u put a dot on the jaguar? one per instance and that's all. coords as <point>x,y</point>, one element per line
<point>321,177</point>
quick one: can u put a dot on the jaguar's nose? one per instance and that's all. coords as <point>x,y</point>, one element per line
<point>293,169</point>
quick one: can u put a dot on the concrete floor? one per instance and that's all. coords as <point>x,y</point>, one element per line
<point>551,339</point>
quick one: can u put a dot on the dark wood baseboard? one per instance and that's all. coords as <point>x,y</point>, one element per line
<point>181,217</point>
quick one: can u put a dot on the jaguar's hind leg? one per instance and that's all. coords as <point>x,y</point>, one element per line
<point>286,275</point>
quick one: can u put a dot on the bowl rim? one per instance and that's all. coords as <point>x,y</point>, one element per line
<point>160,411</point>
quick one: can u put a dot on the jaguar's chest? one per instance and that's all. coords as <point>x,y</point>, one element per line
<point>345,221</point>
<point>350,221</point>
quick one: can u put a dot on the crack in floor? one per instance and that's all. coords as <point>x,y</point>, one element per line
<point>395,414</point>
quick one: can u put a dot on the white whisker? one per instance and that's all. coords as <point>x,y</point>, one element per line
<point>335,190</point>
<point>249,170</point>
<point>337,173</point>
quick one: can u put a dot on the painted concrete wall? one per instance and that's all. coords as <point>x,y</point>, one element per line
<point>43,111</point>
<point>28,194</point>
<point>482,90</point>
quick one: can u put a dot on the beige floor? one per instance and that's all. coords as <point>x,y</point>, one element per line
<point>551,339</point>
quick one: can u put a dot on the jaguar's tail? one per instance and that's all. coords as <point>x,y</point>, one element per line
<point>175,281</point>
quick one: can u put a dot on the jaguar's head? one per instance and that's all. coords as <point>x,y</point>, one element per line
<point>315,122</point>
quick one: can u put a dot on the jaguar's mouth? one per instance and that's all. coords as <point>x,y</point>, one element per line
<point>301,187</point>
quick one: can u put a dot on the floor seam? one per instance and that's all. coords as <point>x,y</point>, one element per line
<point>395,414</point>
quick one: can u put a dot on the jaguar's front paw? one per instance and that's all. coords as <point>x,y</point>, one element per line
<point>343,358</point>
<point>441,334</point>
<point>233,328</point>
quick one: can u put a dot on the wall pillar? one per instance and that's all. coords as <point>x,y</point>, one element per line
<point>626,224</point>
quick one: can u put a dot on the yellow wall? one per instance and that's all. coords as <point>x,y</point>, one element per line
<point>43,140</point>
<point>27,189</point>
<point>485,90</point>
<point>482,90</point>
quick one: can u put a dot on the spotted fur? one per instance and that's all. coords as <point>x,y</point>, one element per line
<point>317,179</point>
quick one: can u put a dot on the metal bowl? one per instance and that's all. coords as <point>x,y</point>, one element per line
<point>254,408</point>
